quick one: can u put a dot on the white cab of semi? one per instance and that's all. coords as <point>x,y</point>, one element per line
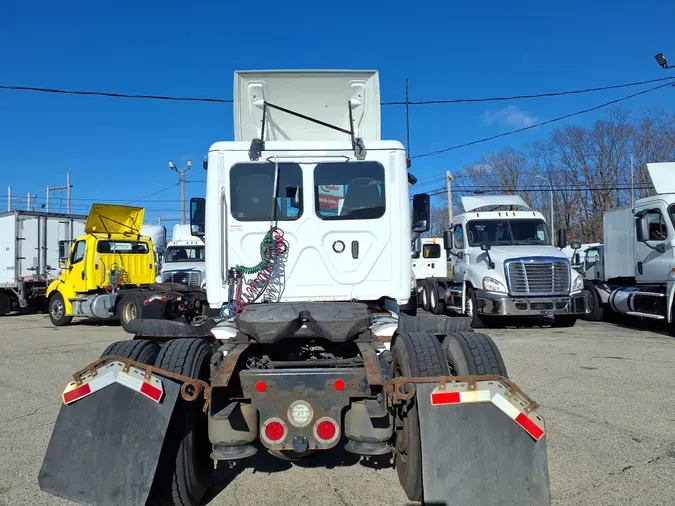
<point>502,253</point>
<point>184,259</point>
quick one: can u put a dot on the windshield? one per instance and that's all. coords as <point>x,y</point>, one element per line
<point>184,254</point>
<point>508,232</point>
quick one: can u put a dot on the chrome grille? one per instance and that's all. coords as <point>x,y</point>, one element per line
<point>188,278</point>
<point>534,276</point>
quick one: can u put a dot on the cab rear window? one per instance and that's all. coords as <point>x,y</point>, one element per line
<point>127,247</point>
<point>431,251</point>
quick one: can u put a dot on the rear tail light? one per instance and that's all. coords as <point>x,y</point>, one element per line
<point>326,430</point>
<point>274,431</point>
<point>339,384</point>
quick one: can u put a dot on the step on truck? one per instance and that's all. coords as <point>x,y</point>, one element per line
<point>32,245</point>
<point>312,352</point>
<point>504,264</point>
<point>631,273</point>
<point>110,274</point>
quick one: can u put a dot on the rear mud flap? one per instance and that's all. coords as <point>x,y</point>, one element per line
<point>473,454</point>
<point>104,448</point>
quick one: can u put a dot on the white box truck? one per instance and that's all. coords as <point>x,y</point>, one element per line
<point>633,272</point>
<point>31,247</point>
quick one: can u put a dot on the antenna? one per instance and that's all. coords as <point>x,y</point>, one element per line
<point>632,186</point>
<point>407,122</point>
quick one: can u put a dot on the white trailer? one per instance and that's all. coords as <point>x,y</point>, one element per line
<point>158,235</point>
<point>504,264</point>
<point>32,245</point>
<point>633,273</point>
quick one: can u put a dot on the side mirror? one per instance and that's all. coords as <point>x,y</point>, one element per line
<point>641,230</point>
<point>562,238</point>
<point>447,240</point>
<point>62,263</point>
<point>197,216</point>
<point>421,213</point>
<point>485,247</point>
<point>575,245</point>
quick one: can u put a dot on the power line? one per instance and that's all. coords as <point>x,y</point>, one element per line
<point>547,122</point>
<point>536,95</point>
<point>171,98</point>
<point>155,193</point>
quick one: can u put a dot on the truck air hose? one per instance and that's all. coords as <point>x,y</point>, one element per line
<point>271,248</point>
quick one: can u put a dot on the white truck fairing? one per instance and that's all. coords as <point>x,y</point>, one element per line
<point>184,259</point>
<point>340,215</point>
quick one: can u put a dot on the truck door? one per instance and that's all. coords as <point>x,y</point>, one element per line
<point>76,270</point>
<point>460,259</point>
<point>652,266</point>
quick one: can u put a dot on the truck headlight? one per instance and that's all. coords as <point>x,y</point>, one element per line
<point>577,284</point>
<point>493,285</point>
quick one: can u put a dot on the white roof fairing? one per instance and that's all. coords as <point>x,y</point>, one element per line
<point>324,95</point>
<point>476,202</point>
<point>662,176</point>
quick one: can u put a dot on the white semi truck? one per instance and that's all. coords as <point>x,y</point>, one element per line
<point>184,259</point>
<point>306,356</point>
<point>504,264</point>
<point>633,271</point>
<point>31,247</point>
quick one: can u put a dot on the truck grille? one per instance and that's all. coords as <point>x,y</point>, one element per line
<point>188,278</point>
<point>536,276</point>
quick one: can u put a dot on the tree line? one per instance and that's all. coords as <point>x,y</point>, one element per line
<point>590,169</point>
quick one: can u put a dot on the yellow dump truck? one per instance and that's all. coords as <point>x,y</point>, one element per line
<point>102,276</point>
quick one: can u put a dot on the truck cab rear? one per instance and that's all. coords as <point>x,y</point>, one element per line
<point>308,235</point>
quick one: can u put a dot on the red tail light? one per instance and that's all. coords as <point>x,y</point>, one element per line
<point>326,430</point>
<point>274,431</point>
<point>261,386</point>
<point>339,384</point>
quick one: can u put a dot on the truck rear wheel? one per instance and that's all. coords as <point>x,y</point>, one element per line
<point>140,350</point>
<point>473,354</point>
<point>130,308</point>
<point>184,469</point>
<point>436,304</point>
<point>416,354</point>
<point>57,311</point>
<point>425,294</point>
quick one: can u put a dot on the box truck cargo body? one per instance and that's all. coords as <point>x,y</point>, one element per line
<point>31,245</point>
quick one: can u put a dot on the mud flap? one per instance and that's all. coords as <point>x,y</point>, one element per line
<point>474,454</point>
<point>105,447</point>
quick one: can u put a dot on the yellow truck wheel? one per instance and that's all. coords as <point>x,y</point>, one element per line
<point>57,310</point>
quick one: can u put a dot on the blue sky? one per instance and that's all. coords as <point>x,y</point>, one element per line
<point>118,150</point>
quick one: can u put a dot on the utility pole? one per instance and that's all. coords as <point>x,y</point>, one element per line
<point>29,206</point>
<point>182,183</point>
<point>448,179</point>
<point>552,224</point>
<point>59,188</point>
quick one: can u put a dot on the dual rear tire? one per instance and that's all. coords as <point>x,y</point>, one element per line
<point>422,354</point>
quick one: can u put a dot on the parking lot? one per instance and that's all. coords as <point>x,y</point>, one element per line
<point>606,393</point>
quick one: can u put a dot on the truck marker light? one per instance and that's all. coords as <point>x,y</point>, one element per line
<point>261,386</point>
<point>339,384</point>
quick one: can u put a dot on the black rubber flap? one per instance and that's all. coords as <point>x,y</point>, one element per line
<point>474,454</point>
<point>104,448</point>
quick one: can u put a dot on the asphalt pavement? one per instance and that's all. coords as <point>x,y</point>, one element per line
<point>606,393</point>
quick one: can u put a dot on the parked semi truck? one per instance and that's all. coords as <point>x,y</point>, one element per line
<point>157,234</point>
<point>503,264</point>
<point>31,246</point>
<point>110,274</point>
<point>184,260</point>
<point>306,357</point>
<point>632,272</point>
<point>429,267</point>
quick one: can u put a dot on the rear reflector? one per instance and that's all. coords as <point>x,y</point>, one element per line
<point>113,372</point>
<point>441,397</point>
<point>326,430</point>
<point>273,431</point>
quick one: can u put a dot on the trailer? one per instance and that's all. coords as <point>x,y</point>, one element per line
<point>631,273</point>
<point>32,245</point>
<point>317,347</point>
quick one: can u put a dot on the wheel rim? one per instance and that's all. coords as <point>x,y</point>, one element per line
<point>433,299</point>
<point>57,309</point>
<point>424,296</point>
<point>468,306</point>
<point>589,302</point>
<point>129,312</point>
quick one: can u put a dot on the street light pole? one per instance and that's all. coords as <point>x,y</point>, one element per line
<point>182,183</point>
<point>552,222</point>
